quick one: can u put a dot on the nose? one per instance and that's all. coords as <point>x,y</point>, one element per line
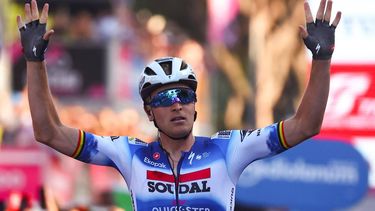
<point>177,106</point>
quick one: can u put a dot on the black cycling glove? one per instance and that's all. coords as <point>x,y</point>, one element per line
<point>33,44</point>
<point>321,39</point>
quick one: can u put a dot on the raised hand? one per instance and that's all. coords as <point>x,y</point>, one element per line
<point>320,35</point>
<point>34,38</point>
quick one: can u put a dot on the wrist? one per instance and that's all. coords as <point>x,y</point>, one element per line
<point>321,57</point>
<point>35,65</point>
<point>320,64</point>
<point>323,61</point>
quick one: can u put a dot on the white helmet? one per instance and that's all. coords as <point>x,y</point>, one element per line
<point>164,71</point>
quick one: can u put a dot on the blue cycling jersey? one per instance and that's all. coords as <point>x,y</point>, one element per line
<point>206,175</point>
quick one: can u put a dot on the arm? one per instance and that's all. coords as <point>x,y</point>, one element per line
<point>47,126</point>
<point>309,116</point>
<point>319,38</point>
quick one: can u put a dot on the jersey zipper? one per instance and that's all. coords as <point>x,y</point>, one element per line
<point>176,178</point>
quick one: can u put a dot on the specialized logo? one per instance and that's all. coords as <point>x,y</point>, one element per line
<point>191,157</point>
<point>317,48</point>
<point>193,182</point>
<point>155,164</point>
<point>205,154</point>
<point>34,50</point>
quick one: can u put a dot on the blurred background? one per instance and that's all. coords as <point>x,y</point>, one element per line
<point>252,69</point>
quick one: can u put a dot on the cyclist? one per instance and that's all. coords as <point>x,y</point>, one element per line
<point>178,171</point>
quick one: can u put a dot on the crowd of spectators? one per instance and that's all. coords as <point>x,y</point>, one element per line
<point>139,37</point>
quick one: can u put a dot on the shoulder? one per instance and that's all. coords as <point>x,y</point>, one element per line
<point>136,141</point>
<point>230,134</point>
<point>223,134</point>
<point>114,140</point>
<point>239,135</point>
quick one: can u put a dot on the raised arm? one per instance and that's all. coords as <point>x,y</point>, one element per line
<point>48,128</point>
<point>319,38</point>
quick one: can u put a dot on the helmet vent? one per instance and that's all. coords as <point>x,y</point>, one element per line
<point>149,71</point>
<point>183,65</point>
<point>146,85</point>
<point>192,77</point>
<point>167,67</point>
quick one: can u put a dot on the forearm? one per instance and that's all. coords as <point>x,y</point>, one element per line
<point>313,104</point>
<point>309,115</point>
<point>43,112</point>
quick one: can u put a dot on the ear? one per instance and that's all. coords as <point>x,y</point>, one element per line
<point>149,113</point>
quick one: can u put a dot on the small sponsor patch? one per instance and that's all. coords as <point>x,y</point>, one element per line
<point>156,156</point>
<point>136,141</point>
<point>224,134</point>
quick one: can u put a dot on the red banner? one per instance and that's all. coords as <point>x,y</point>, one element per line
<point>351,105</point>
<point>21,171</point>
<point>23,179</point>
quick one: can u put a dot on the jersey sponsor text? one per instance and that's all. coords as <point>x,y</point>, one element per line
<point>156,164</point>
<point>194,187</point>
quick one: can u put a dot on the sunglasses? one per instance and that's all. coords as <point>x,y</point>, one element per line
<point>171,96</point>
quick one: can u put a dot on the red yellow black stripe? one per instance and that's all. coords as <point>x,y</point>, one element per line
<point>81,141</point>
<point>280,133</point>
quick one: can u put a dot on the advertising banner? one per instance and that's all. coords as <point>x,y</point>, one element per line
<point>21,171</point>
<point>19,178</point>
<point>351,104</point>
<point>315,175</point>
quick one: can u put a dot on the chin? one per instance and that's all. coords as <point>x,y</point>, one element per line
<point>181,133</point>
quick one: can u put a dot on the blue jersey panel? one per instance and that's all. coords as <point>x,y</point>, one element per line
<point>206,175</point>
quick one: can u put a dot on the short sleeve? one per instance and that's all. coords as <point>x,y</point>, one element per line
<point>246,146</point>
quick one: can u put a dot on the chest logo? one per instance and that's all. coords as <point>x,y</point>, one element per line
<point>155,164</point>
<point>193,182</point>
<point>156,155</point>
<point>191,157</point>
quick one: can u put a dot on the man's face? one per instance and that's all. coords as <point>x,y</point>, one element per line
<point>177,119</point>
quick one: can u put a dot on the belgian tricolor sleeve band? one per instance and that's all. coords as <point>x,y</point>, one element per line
<point>280,133</point>
<point>80,143</point>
